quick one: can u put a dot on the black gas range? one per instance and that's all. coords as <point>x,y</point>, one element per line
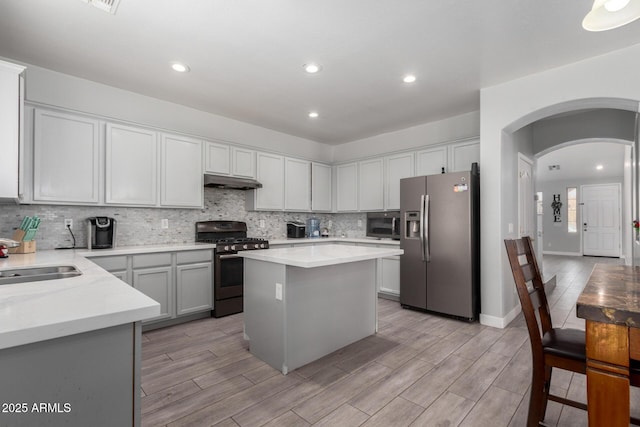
<point>230,237</point>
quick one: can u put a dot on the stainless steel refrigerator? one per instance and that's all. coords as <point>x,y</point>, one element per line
<point>440,235</point>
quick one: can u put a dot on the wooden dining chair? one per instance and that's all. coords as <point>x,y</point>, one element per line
<point>551,347</point>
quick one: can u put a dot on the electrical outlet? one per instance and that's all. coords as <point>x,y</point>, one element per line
<point>164,223</point>
<point>262,223</point>
<point>330,224</point>
<point>359,223</point>
<point>279,291</point>
<point>68,223</point>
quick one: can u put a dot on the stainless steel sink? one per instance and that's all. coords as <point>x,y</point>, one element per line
<point>36,274</point>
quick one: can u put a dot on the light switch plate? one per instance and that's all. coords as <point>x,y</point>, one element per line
<point>164,223</point>
<point>279,291</point>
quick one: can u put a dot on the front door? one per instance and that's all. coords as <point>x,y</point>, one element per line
<point>601,220</point>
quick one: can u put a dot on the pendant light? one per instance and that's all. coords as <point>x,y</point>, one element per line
<point>610,14</point>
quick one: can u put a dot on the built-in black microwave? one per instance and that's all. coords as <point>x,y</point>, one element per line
<point>383,225</point>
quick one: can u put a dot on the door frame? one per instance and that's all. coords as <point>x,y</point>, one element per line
<point>532,225</point>
<point>620,207</point>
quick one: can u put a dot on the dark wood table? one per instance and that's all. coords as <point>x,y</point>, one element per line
<point>610,304</point>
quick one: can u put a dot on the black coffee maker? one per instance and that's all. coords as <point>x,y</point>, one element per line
<point>101,232</point>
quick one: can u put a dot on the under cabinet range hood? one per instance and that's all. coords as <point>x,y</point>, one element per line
<point>219,181</point>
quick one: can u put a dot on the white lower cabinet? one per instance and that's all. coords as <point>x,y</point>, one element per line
<point>389,277</point>
<point>181,282</point>
<point>193,288</point>
<point>194,281</point>
<point>156,283</point>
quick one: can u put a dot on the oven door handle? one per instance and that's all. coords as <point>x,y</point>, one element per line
<point>228,256</point>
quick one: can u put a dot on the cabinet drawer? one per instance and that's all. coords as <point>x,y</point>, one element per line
<point>192,257</point>
<point>151,260</point>
<point>112,263</point>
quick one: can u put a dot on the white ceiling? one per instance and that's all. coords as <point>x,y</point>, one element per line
<point>578,162</point>
<point>246,56</point>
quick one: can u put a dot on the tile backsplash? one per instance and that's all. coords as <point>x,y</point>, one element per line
<point>142,226</point>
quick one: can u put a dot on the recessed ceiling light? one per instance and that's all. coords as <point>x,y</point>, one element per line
<point>410,78</point>
<point>599,167</point>
<point>312,68</point>
<point>313,114</point>
<point>181,68</point>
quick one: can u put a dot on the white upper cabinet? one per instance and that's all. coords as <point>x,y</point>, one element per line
<point>321,185</point>
<point>297,185</point>
<point>11,109</point>
<point>225,159</point>
<point>131,172</point>
<point>270,173</point>
<point>371,185</point>
<point>66,155</point>
<point>243,162</point>
<point>462,155</point>
<point>431,161</point>
<point>396,167</point>
<point>347,187</point>
<point>181,172</point>
<point>217,158</point>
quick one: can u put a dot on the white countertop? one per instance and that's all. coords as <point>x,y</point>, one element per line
<point>320,255</point>
<point>37,311</point>
<point>147,249</point>
<point>327,240</point>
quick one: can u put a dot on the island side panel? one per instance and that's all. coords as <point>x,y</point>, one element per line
<point>79,380</point>
<point>328,308</point>
<point>263,313</point>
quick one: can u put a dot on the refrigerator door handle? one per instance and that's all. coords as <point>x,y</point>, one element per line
<point>426,253</point>
<point>422,227</point>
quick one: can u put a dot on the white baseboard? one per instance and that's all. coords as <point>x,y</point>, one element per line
<point>500,322</point>
<point>561,253</point>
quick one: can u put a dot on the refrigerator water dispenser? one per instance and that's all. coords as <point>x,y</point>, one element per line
<point>412,225</point>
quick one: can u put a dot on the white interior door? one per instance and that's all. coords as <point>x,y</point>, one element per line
<point>525,197</point>
<point>601,220</point>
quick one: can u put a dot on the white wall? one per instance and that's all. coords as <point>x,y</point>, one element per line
<point>520,142</point>
<point>48,87</point>
<point>600,123</point>
<point>451,129</point>
<point>607,81</point>
<point>61,90</point>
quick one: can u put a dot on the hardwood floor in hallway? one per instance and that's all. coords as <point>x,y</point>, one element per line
<point>418,370</point>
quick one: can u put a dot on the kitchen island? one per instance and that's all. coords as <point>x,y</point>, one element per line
<point>303,303</point>
<point>70,348</point>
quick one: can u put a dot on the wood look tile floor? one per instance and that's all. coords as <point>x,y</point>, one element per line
<point>418,370</point>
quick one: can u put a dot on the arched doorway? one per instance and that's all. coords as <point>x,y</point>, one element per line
<point>570,172</point>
